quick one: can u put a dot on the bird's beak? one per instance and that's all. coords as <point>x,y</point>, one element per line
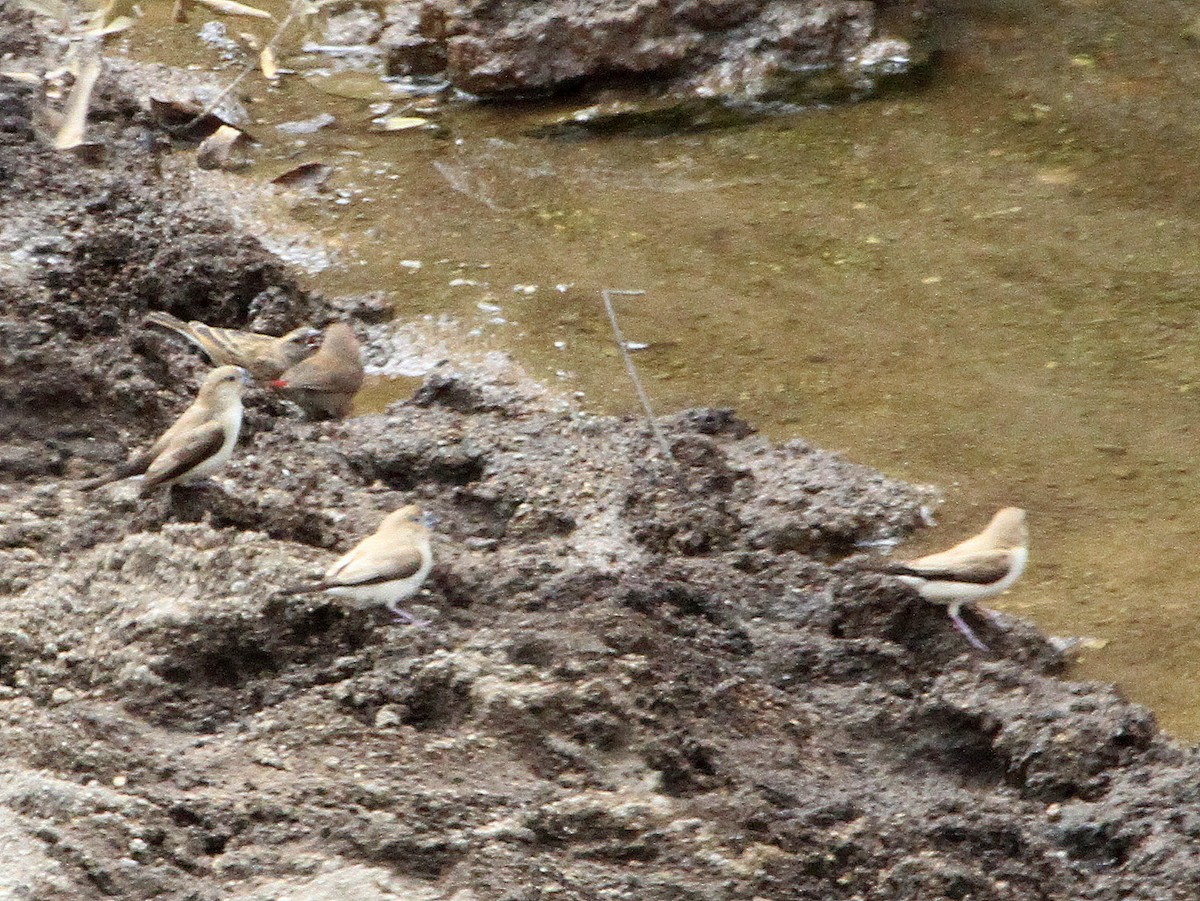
<point>246,377</point>
<point>428,520</point>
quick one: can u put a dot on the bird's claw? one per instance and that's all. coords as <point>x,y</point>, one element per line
<point>402,617</point>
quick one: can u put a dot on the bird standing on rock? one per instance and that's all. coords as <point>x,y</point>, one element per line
<point>386,567</point>
<point>199,443</point>
<point>324,385</point>
<point>265,357</point>
<point>983,566</point>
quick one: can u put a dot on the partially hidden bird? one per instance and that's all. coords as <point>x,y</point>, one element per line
<point>387,567</point>
<point>265,357</point>
<point>324,384</point>
<point>199,442</point>
<point>981,567</point>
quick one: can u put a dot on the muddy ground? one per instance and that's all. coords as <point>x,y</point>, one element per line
<point>643,680</point>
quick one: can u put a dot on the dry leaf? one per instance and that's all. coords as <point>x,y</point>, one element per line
<point>398,123</point>
<point>308,175</point>
<point>307,126</point>
<point>112,11</point>
<point>120,23</point>
<point>75,120</point>
<point>28,78</point>
<point>53,9</point>
<point>186,121</point>
<point>268,64</point>
<point>233,8</point>
<point>217,151</point>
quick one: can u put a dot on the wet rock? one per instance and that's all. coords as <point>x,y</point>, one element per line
<point>719,421</point>
<point>374,307</point>
<point>641,116</point>
<point>413,42</point>
<point>453,392</point>
<point>348,24</point>
<point>307,126</point>
<point>743,49</point>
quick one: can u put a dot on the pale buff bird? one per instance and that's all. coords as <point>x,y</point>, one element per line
<point>386,567</point>
<point>983,566</point>
<point>324,385</point>
<point>265,357</point>
<point>198,444</point>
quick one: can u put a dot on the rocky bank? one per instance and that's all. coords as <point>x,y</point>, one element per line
<point>645,679</point>
<point>737,50</point>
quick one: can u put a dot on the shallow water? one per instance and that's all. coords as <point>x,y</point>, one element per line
<point>989,284</point>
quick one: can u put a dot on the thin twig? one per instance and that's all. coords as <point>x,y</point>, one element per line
<point>608,293</point>
<point>293,12</point>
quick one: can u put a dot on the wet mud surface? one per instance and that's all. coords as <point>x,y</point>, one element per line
<point>643,680</point>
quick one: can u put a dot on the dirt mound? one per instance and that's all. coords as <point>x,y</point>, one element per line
<point>645,679</point>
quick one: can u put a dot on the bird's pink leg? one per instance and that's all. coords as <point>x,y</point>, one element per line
<point>961,625</point>
<point>403,617</point>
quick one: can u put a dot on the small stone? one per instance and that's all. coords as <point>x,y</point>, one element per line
<point>386,717</point>
<point>62,696</point>
<point>356,26</point>
<point>307,126</point>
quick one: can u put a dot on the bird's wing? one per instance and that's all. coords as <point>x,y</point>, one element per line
<point>980,568</point>
<point>230,346</point>
<point>371,564</point>
<point>319,374</point>
<point>195,416</point>
<point>188,452</point>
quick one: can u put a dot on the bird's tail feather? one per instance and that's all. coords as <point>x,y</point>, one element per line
<point>302,589</point>
<point>93,484</point>
<point>166,320</point>
<point>184,329</point>
<point>218,344</point>
<point>134,467</point>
